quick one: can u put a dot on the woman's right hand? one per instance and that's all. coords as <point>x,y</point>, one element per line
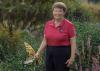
<point>37,55</point>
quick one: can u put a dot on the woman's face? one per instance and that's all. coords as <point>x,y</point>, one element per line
<point>58,13</point>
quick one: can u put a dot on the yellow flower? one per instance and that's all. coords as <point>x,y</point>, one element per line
<point>29,49</point>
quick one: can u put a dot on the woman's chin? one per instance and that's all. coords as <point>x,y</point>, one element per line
<point>57,18</point>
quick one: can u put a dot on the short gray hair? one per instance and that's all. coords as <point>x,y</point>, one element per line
<point>60,5</point>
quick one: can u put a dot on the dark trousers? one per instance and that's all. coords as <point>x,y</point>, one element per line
<point>56,57</point>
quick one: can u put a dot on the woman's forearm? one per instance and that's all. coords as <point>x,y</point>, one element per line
<point>42,46</point>
<point>73,47</point>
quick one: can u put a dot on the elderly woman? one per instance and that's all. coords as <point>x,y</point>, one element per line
<point>59,40</point>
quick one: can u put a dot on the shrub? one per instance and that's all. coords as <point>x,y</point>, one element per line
<point>12,51</point>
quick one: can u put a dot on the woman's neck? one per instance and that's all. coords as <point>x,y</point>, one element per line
<point>58,21</point>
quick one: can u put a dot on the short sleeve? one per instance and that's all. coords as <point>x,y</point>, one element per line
<point>72,31</point>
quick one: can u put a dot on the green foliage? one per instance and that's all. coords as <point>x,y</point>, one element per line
<point>31,39</point>
<point>23,12</point>
<point>12,51</point>
<point>88,41</point>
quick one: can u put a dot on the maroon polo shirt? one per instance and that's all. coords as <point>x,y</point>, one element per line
<point>60,35</point>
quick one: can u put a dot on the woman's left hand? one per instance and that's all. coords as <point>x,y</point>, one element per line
<point>69,62</point>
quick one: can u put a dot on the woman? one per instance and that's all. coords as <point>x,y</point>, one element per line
<point>59,40</point>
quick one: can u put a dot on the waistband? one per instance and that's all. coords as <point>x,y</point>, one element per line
<point>62,46</point>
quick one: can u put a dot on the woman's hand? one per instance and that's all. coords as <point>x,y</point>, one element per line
<point>37,55</point>
<point>69,61</point>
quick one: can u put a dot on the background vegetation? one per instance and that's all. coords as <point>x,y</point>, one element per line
<point>23,21</point>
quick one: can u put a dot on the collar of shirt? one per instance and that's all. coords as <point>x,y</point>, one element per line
<point>60,25</point>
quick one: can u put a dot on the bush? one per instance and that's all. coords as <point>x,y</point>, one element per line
<point>88,41</point>
<point>12,51</point>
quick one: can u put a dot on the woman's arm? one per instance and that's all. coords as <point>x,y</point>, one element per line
<point>73,47</point>
<point>42,48</point>
<point>73,51</point>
